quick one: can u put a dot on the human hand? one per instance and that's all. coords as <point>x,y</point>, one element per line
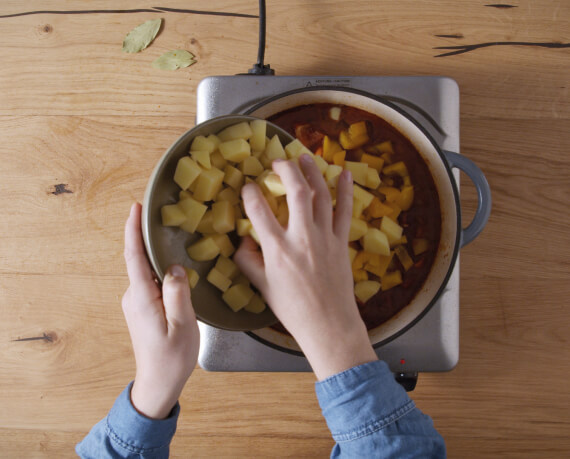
<point>162,325</point>
<point>304,271</point>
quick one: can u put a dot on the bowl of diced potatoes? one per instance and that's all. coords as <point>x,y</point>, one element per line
<point>193,214</point>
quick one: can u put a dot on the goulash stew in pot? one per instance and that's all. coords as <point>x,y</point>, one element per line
<point>396,224</point>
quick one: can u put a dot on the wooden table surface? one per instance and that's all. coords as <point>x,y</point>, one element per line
<point>82,125</point>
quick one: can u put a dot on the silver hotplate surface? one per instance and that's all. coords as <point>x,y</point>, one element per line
<point>430,345</point>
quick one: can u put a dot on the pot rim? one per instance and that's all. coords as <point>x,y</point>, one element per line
<point>438,149</point>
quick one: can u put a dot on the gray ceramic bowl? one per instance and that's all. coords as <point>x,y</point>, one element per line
<point>167,245</point>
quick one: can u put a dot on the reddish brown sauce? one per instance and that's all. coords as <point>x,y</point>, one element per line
<point>423,220</point>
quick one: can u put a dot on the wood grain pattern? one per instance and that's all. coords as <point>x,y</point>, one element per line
<point>83,124</point>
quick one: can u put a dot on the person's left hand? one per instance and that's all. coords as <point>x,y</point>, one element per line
<point>162,325</point>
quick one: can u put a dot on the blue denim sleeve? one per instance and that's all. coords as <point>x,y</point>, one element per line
<point>125,433</point>
<point>370,415</point>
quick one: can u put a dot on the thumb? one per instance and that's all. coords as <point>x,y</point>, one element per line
<point>176,296</point>
<point>249,259</point>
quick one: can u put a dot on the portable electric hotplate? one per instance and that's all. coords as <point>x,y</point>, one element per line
<point>432,344</point>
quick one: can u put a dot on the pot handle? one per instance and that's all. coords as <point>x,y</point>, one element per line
<point>483,195</point>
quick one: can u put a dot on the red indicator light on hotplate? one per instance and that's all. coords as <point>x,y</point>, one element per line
<point>402,361</point>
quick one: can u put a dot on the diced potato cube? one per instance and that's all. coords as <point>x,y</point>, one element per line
<point>396,210</point>
<point>377,209</point>
<point>233,177</point>
<point>359,260</point>
<point>334,113</point>
<point>255,305</point>
<point>184,194</point>
<point>225,245</point>
<point>392,194</point>
<point>358,170</point>
<point>381,265</point>
<point>203,250</point>
<point>398,168</point>
<point>384,147</point>
<point>194,212</point>
<point>358,228</point>
<point>420,245</point>
<point>390,280</point>
<point>358,128</point>
<point>404,257</point>
<point>407,181</point>
<point>244,226</point>
<point>215,140</point>
<point>362,195</point>
<point>202,157</point>
<point>203,143</point>
<point>372,179</point>
<point>223,213</point>
<point>391,229</point>
<point>274,150</point>
<point>217,279</point>
<point>375,241</point>
<point>206,225</point>
<point>295,149</point>
<point>274,184</point>
<point>172,215</point>
<point>193,276</point>
<point>355,137</point>
<point>235,150</point>
<point>265,161</point>
<point>359,275</point>
<point>373,162</point>
<point>406,197</point>
<point>330,147</point>
<point>208,184</point>
<point>357,208</point>
<point>338,158</point>
<point>332,174</point>
<point>365,290</point>
<point>186,172</point>
<point>237,131</point>
<point>217,160</point>
<point>237,296</point>
<point>321,163</point>
<point>258,129</point>
<point>251,166</point>
<point>227,267</point>
<point>401,241</point>
<point>228,194</point>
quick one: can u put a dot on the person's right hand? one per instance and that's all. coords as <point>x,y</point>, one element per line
<point>304,272</point>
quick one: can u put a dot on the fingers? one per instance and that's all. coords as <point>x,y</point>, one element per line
<point>176,298</point>
<point>299,194</point>
<point>138,267</point>
<point>343,211</point>
<point>259,213</point>
<point>249,259</point>
<point>322,202</point>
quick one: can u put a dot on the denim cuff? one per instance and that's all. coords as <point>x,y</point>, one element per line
<point>362,400</point>
<point>134,431</point>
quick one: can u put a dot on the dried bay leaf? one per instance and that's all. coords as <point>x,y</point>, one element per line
<point>175,59</point>
<point>141,36</point>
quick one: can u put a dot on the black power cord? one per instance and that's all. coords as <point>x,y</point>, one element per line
<point>259,68</point>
